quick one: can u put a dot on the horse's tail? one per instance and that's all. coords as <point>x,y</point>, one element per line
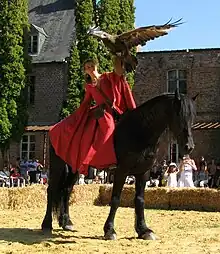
<point>59,181</point>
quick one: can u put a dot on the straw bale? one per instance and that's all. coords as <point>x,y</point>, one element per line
<point>127,197</point>
<point>33,196</point>
<point>156,198</point>
<point>85,194</point>
<point>3,198</point>
<point>195,199</point>
<point>105,193</point>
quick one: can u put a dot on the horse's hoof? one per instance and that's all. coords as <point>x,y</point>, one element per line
<point>68,228</point>
<point>46,231</point>
<point>110,236</point>
<point>149,236</point>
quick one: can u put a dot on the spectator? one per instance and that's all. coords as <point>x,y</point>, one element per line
<point>211,171</point>
<point>24,170</point>
<point>171,174</point>
<point>155,175</point>
<point>216,178</point>
<point>187,165</point>
<point>130,180</point>
<point>202,177</point>
<point>15,178</point>
<point>81,179</point>
<point>202,164</point>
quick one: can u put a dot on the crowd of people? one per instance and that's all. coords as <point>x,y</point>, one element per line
<point>186,173</point>
<point>22,173</point>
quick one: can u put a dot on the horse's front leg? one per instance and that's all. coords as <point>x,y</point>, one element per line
<point>140,225</point>
<point>118,183</point>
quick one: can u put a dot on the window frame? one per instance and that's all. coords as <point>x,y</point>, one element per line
<point>31,44</point>
<point>170,152</point>
<point>177,79</point>
<point>29,142</point>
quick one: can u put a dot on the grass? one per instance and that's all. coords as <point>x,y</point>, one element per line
<point>180,232</point>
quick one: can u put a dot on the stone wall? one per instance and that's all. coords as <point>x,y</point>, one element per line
<point>203,77</point>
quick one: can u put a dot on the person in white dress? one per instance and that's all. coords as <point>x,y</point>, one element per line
<point>186,167</point>
<point>171,174</point>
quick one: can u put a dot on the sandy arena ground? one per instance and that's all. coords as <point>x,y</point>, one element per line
<point>180,232</point>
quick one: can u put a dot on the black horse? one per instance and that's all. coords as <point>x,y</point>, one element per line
<point>136,139</point>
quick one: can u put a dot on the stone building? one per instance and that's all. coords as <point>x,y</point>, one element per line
<point>52,32</point>
<point>192,71</point>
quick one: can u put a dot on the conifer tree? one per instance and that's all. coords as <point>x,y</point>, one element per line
<point>113,16</point>
<point>13,110</point>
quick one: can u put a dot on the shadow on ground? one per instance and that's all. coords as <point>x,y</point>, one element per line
<point>32,236</point>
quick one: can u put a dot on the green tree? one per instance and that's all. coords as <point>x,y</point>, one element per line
<point>115,16</point>
<point>112,16</point>
<point>13,24</point>
<point>74,83</point>
<point>83,47</point>
<point>127,18</point>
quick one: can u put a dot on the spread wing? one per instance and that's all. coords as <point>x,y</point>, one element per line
<point>141,35</point>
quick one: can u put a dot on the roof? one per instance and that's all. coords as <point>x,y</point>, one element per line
<point>196,126</point>
<point>206,125</point>
<point>38,128</point>
<point>177,51</point>
<point>56,18</point>
<point>40,30</point>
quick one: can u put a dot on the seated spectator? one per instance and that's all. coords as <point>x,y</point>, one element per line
<point>130,180</point>
<point>211,170</point>
<point>4,178</point>
<point>15,177</point>
<point>202,177</point>
<point>43,177</point>
<point>216,178</point>
<point>97,180</point>
<point>171,174</point>
<point>155,175</point>
<point>24,170</point>
<point>81,179</point>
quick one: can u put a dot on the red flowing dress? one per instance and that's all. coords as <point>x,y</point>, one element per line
<point>80,140</point>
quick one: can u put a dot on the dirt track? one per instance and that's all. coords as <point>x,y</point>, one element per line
<point>180,232</point>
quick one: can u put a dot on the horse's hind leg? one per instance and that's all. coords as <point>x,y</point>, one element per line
<point>47,222</point>
<point>140,225</point>
<point>119,181</point>
<point>64,217</point>
<point>56,174</point>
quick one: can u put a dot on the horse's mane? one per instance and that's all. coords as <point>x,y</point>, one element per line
<point>187,107</point>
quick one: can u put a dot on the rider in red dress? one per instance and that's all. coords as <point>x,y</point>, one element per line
<point>80,139</point>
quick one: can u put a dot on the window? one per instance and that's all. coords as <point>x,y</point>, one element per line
<point>176,79</point>
<point>28,147</point>
<point>33,44</point>
<point>31,90</point>
<point>173,152</point>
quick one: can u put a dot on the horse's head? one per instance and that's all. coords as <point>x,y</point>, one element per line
<point>181,123</point>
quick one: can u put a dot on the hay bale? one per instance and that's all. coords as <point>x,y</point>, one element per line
<point>4,198</point>
<point>195,199</point>
<point>156,198</point>
<point>105,193</point>
<point>85,194</point>
<point>153,197</point>
<point>127,197</point>
<point>33,196</point>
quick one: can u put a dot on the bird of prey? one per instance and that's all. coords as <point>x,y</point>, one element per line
<point>121,44</point>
